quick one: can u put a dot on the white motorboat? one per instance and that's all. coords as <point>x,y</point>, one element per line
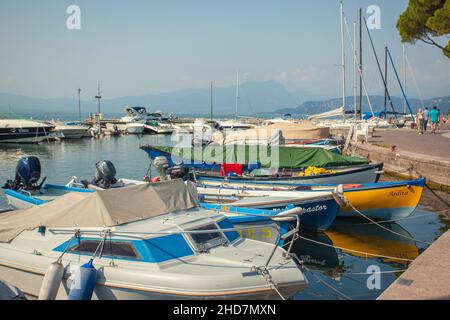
<point>155,122</point>
<point>72,131</point>
<point>158,127</point>
<point>127,127</point>
<point>24,131</point>
<point>149,241</point>
<point>234,125</point>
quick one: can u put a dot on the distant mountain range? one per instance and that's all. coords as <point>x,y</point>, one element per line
<point>256,98</point>
<point>377,102</point>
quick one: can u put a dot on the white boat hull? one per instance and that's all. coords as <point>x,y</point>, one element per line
<point>73,133</point>
<point>29,282</point>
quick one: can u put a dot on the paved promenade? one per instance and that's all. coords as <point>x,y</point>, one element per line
<point>428,144</point>
<point>427,278</point>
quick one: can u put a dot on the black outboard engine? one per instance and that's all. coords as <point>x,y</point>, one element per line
<point>28,173</point>
<point>179,172</point>
<point>105,174</point>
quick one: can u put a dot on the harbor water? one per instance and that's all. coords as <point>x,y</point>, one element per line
<point>336,262</point>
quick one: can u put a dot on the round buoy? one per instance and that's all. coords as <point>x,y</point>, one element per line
<point>156,179</point>
<point>84,282</point>
<point>52,280</point>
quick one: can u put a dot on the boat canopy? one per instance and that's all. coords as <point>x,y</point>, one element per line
<point>301,130</point>
<point>104,208</point>
<point>276,157</point>
<point>276,133</point>
<point>251,136</point>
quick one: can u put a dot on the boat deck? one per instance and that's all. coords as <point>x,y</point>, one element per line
<point>428,277</point>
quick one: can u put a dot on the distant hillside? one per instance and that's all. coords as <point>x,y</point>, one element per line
<point>315,107</point>
<point>254,97</point>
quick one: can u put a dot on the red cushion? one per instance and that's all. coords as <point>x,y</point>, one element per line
<point>226,168</point>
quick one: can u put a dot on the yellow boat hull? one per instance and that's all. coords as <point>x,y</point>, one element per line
<point>385,203</point>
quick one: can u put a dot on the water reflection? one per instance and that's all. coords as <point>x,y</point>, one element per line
<point>359,239</point>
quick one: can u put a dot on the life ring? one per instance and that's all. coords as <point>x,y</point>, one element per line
<point>204,129</point>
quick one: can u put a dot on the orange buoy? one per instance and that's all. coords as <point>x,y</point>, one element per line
<point>156,179</point>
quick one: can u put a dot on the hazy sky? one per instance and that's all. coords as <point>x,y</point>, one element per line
<point>139,47</point>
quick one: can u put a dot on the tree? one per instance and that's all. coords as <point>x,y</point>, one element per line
<point>425,19</point>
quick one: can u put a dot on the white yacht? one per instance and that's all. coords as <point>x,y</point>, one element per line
<point>25,131</point>
<point>72,131</point>
<point>234,125</point>
<point>136,117</point>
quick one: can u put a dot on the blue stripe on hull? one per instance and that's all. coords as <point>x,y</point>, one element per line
<point>24,198</point>
<point>381,214</point>
<point>316,215</point>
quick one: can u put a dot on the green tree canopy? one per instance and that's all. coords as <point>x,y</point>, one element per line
<point>425,19</point>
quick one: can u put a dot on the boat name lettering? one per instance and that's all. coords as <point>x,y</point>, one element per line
<point>399,193</point>
<point>314,209</point>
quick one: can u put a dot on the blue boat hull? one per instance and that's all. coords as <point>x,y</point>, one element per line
<point>316,215</point>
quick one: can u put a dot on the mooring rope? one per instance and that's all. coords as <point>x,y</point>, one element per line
<point>384,228</point>
<point>400,219</point>
<point>266,275</point>
<point>370,273</point>
<point>320,280</point>
<point>355,251</point>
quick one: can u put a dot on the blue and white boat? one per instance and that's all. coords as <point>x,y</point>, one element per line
<point>149,241</point>
<point>317,210</point>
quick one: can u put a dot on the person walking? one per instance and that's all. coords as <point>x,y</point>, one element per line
<point>425,119</point>
<point>419,121</point>
<point>434,117</point>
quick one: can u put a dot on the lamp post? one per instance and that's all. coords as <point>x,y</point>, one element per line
<point>79,103</point>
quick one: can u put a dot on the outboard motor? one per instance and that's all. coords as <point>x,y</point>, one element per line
<point>179,172</point>
<point>28,173</point>
<point>161,164</point>
<point>105,174</point>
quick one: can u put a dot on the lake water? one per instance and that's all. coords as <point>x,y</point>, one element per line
<point>332,273</point>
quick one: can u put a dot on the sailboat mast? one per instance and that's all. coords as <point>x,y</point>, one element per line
<point>385,77</point>
<point>355,70</point>
<point>98,97</point>
<point>360,64</point>
<point>237,95</point>
<point>343,57</point>
<point>404,77</point>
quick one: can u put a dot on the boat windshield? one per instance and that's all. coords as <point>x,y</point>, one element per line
<point>204,241</point>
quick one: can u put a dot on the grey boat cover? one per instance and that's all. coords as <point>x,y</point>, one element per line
<point>103,208</point>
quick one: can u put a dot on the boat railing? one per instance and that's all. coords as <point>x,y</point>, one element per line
<point>141,235</point>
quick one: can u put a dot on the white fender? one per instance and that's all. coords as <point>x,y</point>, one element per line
<point>52,280</point>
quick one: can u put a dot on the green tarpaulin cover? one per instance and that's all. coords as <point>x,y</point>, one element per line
<point>278,157</point>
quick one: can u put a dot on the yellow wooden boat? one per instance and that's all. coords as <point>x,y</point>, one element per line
<point>383,200</point>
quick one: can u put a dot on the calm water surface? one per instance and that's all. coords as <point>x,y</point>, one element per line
<point>332,273</point>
